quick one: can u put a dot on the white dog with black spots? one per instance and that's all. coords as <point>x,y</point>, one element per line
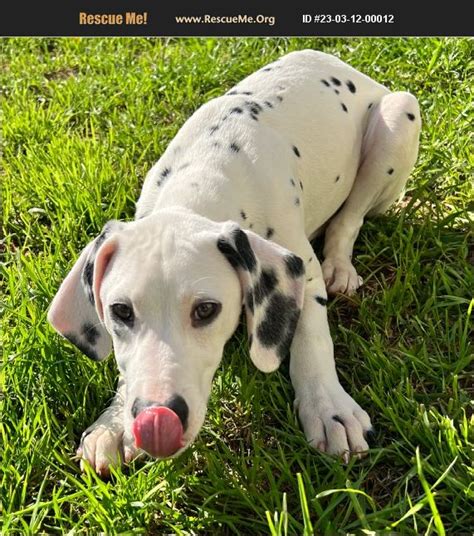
<point>306,145</point>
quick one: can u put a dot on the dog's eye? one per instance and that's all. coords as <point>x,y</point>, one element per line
<point>204,313</point>
<point>123,312</point>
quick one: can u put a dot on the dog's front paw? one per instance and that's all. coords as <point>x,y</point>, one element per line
<point>334,423</point>
<point>340,276</point>
<point>104,446</point>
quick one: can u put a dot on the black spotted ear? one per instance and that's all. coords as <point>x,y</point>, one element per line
<point>73,311</point>
<point>272,284</point>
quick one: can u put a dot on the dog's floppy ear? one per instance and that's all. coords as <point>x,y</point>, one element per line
<point>74,309</point>
<point>272,284</point>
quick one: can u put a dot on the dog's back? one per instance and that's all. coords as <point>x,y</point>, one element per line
<point>300,119</point>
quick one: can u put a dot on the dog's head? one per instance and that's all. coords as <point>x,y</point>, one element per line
<point>167,292</point>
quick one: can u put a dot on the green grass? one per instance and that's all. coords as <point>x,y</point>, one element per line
<point>83,120</point>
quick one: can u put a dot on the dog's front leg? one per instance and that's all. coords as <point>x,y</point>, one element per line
<point>103,444</point>
<point>333,422</point>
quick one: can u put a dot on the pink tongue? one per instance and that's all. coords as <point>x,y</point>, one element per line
<point>159,431</point>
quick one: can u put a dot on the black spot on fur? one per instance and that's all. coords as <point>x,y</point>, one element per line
<point>335,81</point>
<point>242,256</point>
<point>336,91</point>
<point>351,86</point>
<point>216,144</point>
<point>293,183</point>
<point>265,285</point>
<point>410,116</point>
<point>90,333</point>
<point>296,151</point>
<point>325,82</point>
<point>234,147</point>
<point>280,98</point>
<point>245,250</point>
<point>267,69</point>
<point>269,104</point>
<point>310,259</point>
<point>238,92</point>
<point>309,279</point>
<point>236,110</point>
<point>338,177</point>
<point>83,436</point>
<point>251,226</point>
<point>322,301</point>
<point>165,172</point>
<point>254,117</point>
<point>87,276</point>
<point>284,347</point>
<point>213,129</point>
<point>249,301</point>
<point>83,347</point>
<point>101,238</point>
<point>244,216</point>
<point>254,107</point>
<point>294,266</point>
<point>370,106</point>
<point>272,330</point>
<point>230,253</point>
<point>301,186</point>
<point>338,419</point>
<point>297,201</point>
<point>270,232</point>
<point>344,107</point>
<point>390,171</point>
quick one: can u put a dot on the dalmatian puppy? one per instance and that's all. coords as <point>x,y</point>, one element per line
<point>304,146</point>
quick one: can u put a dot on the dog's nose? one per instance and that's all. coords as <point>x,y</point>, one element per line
<point>175,403</point>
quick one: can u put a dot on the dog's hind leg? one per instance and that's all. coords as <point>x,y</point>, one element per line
<point>389,152</point>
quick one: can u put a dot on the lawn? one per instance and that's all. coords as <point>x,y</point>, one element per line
<point>83,120</point>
